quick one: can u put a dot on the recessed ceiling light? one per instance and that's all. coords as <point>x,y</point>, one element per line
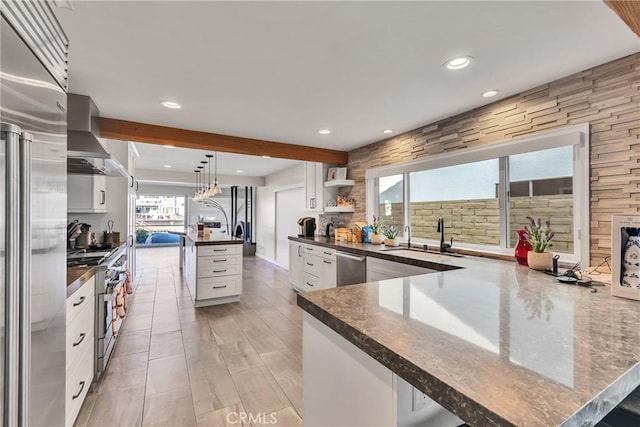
<point>169,146</point>
<point>171,104</point>
<point>239,171</point>
<point>458,63</point>
<point>166,166</point>
<point>387,131</point>
<point>266,157</point>
<point>324,131</point>
<point>490,93</point>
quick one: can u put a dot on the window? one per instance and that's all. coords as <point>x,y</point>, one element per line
<point>485,194</point>
<point>156,216</point>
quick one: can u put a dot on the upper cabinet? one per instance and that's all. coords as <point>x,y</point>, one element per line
<point>86,194</point>
<point>314,186</point>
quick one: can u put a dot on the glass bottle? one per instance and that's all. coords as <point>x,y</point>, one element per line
<point>522,248</point>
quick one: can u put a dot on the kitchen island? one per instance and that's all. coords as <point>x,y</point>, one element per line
<point>213,268</point>
<point>490,341</point>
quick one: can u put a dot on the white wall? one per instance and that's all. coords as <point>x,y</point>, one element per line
<point>267,209</point>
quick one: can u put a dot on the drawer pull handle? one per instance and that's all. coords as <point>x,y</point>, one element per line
<point>309,284</point>
<point>309,264</point>
<point>219,260</point>
<point>220,287</point>
<point>77,395</point>
<point>327,253</point>
<point>75,304</point>
<point>220,271</point>
<point>327,262</point>
<point>82,335</point>
<point>219,250</point>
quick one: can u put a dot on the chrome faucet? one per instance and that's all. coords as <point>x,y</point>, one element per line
<point>407,230</point>
<point>444,247</point>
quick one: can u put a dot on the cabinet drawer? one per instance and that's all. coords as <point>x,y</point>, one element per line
<point>78,381</point>
<point>219,250</point>
<point>80,335</point>
<point>80,299</point>
<point>327,253</point>
<point>210,262</point>
<point>219,287</point>
<point>218,270</point>
<point>312,265</point>
<point>310,283</point>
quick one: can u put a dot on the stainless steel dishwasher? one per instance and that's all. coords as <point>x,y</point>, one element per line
<point>352,269</point>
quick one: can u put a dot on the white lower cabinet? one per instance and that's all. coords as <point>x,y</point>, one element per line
<point>318,268</point>
<point>295,263</point>
<point>79,349</point>
<point>213,273</point>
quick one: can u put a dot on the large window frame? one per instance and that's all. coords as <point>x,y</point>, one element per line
<point>576,136</point>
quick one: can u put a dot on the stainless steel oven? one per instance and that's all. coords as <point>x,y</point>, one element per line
<point>110,278</point>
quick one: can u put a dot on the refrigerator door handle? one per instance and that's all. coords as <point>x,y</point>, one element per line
<point>12,368</point>
<point>26,140</point>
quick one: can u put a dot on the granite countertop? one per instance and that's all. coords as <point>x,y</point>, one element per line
<point>492,341</point>
<point>214,239</point>
<point>76,277</point>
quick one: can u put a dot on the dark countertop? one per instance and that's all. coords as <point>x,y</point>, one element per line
<point>76,277</point>
<point>215,239</point>
<point>493,342</point>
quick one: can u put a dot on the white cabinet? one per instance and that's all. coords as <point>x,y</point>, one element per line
<point>86,193</point>
<point>381,269</point>
<point>295,263</point>
<point>213,273</point>
<point>318,268</point>
<point>314,186</point>
<point>80,341</point>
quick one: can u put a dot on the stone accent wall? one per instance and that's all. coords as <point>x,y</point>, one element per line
<point>606,96</point>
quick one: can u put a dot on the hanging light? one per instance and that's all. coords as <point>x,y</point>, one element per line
<point>195,195</point>
<point>202,184</point>
<point>216,190</point>
<point>209,192</point>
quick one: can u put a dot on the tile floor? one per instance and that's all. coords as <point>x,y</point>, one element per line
<point>175,365</point>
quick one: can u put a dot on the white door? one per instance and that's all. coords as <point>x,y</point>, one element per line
<point>289,207</point>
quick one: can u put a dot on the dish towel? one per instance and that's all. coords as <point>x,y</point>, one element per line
<point>118,308</point>
<point>128,282</point>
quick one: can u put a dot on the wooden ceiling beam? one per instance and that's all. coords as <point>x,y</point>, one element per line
<point>628,11</point>
<point>162,135</point>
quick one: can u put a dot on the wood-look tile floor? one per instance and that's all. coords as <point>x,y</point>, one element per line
<point>175,365</point>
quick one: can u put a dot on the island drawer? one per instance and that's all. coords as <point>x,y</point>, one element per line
<point>218,270</point>
<point>218,287</point>
<point>219,261</point>
<point>219,250</point>
<point>80,299</point>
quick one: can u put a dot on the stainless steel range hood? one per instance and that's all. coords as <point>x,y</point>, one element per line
<point>86,155</point>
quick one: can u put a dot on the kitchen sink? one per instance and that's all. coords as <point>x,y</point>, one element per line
<point>424,251</point>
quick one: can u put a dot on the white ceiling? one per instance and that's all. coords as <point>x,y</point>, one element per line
<point>155,157</point>
<point>283,70</point>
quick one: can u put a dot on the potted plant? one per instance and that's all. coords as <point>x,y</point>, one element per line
<point>539,237</point>
<point>376,232</point>
<point>391,236</point>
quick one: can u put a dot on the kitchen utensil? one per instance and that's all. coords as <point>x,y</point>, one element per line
<point>329,230</point>
<point>110,236</point>
<point>84,239</point>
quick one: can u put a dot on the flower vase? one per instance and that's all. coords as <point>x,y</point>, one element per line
<point>539,260</point>
<point>391,242</point>
<point>522,248</point>
<point>377,239</point>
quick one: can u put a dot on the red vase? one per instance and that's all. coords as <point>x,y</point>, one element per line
<point>522,248</point>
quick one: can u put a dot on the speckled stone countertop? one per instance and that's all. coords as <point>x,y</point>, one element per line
<point>76,277</point>
<point>214,239</point>
<point>493,342</point>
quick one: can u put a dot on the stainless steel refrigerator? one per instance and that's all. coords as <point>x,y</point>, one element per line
<point>33,50</point>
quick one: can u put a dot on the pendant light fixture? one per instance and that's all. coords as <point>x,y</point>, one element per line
<point>216,190</point>
<point>202,184</point>
<point>196,194</point>
<point>209,192</point>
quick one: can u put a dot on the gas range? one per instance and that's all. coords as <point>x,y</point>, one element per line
<point>88,257</point>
